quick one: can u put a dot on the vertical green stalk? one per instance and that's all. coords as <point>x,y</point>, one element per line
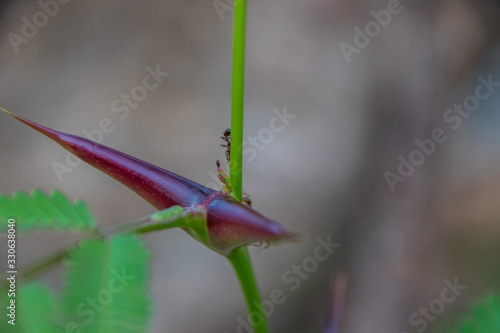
<point>240,258</point>
<point>235,174</point>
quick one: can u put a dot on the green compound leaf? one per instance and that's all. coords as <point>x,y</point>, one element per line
<point>40,211</point>
<point>107,287</point>
<point>485,317</point>
<point>34,310</point>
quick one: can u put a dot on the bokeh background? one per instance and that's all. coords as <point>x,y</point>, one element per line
<point>322,176</point>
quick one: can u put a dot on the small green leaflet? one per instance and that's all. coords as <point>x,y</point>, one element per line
<point>107,287</point>
<point>38,210</point>
<point>34,310</point>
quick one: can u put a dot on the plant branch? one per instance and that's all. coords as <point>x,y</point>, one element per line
<point>239,258</point>
<point>144,225</point>
<point>42,265</point>
<point>242,265</point>
<point>237,98</point>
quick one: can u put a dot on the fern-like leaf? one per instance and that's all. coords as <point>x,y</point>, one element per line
<point>34,311</point>
<point>107,286</point>
<point>40,211</point>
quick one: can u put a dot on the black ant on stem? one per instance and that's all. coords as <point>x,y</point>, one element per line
<point>223,177</point>
<point>226,137</point>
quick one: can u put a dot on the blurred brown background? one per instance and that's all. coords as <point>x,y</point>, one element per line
<point>323,174</point>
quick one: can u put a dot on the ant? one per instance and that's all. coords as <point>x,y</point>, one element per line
<point>223,177</point>
<point>226,137</point>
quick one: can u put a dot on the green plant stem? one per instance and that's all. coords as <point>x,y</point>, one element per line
<point>40,266</point>
<point>141,226</point>
<point>240,260</point>
<point>237,98</point>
